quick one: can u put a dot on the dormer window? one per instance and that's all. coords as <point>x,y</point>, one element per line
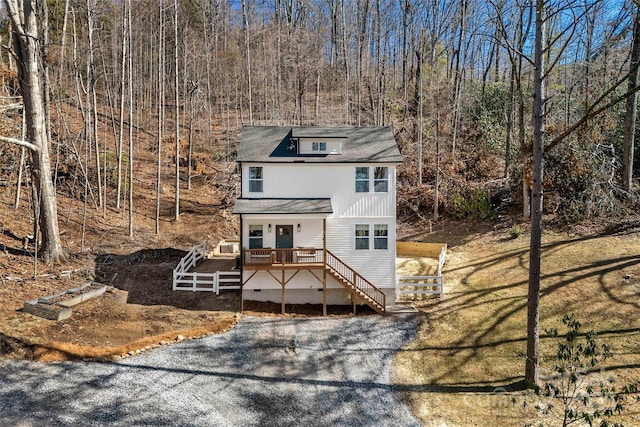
<point>319,146</point>
<point>318,141</point>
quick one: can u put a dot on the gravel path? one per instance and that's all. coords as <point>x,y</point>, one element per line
<point>264,372</point>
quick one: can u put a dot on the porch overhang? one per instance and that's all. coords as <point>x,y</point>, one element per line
<point>283,206</point>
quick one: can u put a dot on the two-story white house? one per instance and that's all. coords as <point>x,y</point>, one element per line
<point>318,215</point>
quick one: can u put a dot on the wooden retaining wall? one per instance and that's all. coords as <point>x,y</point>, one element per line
<point>420,249</point>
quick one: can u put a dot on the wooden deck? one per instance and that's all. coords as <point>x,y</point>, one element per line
<point>307,258</point>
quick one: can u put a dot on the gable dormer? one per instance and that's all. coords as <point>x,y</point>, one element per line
<point>318,141</point>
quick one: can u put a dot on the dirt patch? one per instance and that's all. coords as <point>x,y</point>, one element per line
<point>141,310</point>
<point>147,277</point>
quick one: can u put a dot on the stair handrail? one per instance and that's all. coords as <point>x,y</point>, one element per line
<point>357,280</point>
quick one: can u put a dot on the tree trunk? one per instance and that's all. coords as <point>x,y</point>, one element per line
<point>28,52</point>
<point>245,21</point>
<point>21,165</point>
<point>632,105</point>
<point>161,92</point>
<point>532,368</point>
<point>177,109</point>
<point>130,95</point>
<point>123,64</point>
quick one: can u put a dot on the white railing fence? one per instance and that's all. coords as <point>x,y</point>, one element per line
<point>423,285</point>
<point>185,280</point>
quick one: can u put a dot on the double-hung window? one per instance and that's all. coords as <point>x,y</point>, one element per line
<point>362,236</point>
<point>255,179</point>
<point>255,236</point>
<point>380,236</point>
<point>381,179</point>
<point>362,179</point>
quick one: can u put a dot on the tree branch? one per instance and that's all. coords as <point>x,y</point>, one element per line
<point>590,114</point>
<point>20,142</point>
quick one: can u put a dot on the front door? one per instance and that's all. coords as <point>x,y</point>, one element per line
<point>284,240</point>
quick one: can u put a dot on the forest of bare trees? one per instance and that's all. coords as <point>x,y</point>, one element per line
<point>454,79</point>
<point>491,101</point>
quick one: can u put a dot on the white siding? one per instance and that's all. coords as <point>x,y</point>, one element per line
<point>310,234</point>
<point>322,180</point>
<point>376,265</point>
<point>334,146</point>
<point>337,182</point>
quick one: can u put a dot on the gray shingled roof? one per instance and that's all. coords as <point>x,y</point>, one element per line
<point>362,144</point>
<point>283,206</point>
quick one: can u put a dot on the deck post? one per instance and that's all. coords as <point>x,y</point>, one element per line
<point>282,283</point>
<point>324,270</point>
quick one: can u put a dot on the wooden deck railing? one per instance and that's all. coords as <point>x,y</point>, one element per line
<point>295,256</point>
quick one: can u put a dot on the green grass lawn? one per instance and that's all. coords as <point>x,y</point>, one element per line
<point>467,363</point>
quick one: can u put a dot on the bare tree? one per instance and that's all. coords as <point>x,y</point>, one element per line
<point>632,106</point>
<point>28,23</point>
<point>532,368</point>
<point>245,26</point>
<point>161,93</point>
<point>123,64</point>
<point>177,107</point>
<point>130,96</point>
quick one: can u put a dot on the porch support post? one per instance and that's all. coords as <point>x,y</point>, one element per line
<point>241,263</point>
<point>353,300</point>
<point>324,292</point>
<point>283,284</point>
<point>324,270</point>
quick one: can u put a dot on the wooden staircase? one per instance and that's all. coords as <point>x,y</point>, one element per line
<point>357,285</point>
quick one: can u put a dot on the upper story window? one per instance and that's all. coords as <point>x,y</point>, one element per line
<point>380,236</point>
<point>362,236</point>
<point>381,179</point>
<point>255,179</point>
<point>362,179</point>
<point>255,236</point>
<point>319,146</point>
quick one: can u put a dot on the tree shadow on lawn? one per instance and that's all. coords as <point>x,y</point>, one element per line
<point>488,316</point>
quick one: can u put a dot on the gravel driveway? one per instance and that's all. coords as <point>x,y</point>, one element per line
<point>264,372</point>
